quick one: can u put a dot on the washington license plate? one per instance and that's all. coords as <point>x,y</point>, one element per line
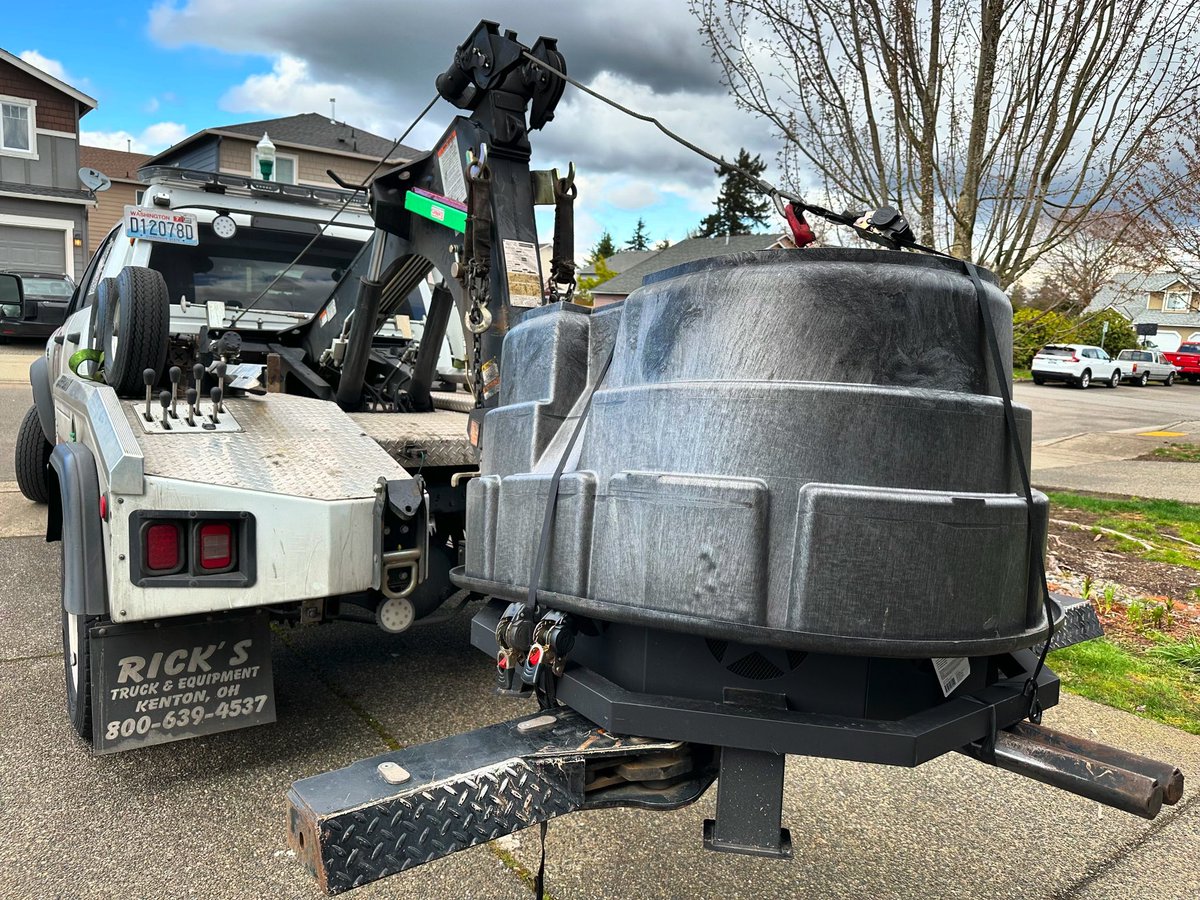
<point>161,225</point>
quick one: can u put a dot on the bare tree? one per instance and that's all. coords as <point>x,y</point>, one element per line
<point>1089,257</point>
<point>999,126</point>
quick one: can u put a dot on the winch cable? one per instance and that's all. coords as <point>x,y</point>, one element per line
<point>341,209</point>
<point>1034,712</point>
<point>1031,685</point>
<point>766,187</point>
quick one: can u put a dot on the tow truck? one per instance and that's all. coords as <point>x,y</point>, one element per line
<point>701,551</point>
<point>199,469</point>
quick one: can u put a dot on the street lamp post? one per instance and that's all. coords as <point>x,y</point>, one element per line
<point>266,157</point>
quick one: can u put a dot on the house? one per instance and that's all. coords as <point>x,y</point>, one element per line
<point>1166,299</point>
<point>686,251</point>
<point>43,206</point>
<point>619,262</point>
<point>306,146</point>
<point>122,170</point>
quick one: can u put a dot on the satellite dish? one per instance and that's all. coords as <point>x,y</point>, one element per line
<point>94,180</point>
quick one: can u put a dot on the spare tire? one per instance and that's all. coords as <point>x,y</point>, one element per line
<point>32,458</point>
<point>134,327</point>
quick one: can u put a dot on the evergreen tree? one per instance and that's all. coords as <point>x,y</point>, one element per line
<point>740,205</point>
<point>640,239</point>
<point>604,248</point>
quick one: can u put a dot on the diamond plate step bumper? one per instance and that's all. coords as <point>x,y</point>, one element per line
<point>380,816</point>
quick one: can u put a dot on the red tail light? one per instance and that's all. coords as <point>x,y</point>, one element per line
<point>1135,367</point>
<point>164,544</point>
<point>215,546</point>
<point>1074,359</point>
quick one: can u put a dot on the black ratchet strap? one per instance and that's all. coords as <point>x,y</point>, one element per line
<point>1014,440</point>
<point>562,259</point>
<point>539,562</point>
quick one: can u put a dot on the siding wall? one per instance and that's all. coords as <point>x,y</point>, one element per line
<point>238,156</point>
<point>110,207</point>
<point>57,164</point>
<point>201,155</point>
<point>55,110</point>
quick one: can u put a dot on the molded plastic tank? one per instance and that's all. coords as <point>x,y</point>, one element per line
<point>799,448</point>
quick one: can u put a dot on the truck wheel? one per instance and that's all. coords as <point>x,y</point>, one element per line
<point>1144,380</point>
<point>1085,379</point>
<point>33,458</point>
<point>1114,380</point>
<point>77,664</point>
<point>1170,379</point>
<point>134,330</point>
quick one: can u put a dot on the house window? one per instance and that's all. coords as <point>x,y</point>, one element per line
<point>285,168</point>
<point>17,126</point>
<point>1177,301</point>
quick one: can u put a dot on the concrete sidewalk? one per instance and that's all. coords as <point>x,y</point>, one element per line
<point>1106,462</point>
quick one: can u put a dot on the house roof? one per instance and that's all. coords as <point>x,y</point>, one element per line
<point>685,251</point>
<point>307,131</point>
<point>50,193</point>
<point>1129,294</point>
<point>30,69</point>
<point>116,164</point>
<point>620,262</point>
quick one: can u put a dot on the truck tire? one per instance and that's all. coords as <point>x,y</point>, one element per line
<point>1144,379</point>
<point>1170,379</point>
<point>77,662</point>
<point>134,329</point>
<point>33,458</point>
<point>1114,380</point>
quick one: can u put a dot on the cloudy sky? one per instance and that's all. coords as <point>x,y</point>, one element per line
<point>162,71</point>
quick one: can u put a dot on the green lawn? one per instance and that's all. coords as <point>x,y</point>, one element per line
<point>1022,375</point>
<point>1146,519</point>
<point>1131,679</point>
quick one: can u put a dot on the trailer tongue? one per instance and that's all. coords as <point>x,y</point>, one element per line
<point>705,547</point>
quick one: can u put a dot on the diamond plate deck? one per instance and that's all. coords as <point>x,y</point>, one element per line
<point>288,445</point>
<point>441,436</point>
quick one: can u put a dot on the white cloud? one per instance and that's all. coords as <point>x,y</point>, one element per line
<point>51,67</point>
<point>152,139</point>
<point>290,88</point>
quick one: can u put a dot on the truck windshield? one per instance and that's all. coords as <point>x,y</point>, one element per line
<point>237,270</point>
<point>1188,348</point>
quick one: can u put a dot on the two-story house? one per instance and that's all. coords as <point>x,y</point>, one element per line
<point>43,207</point>
<point>1166,299</point>
<point>306,147</point>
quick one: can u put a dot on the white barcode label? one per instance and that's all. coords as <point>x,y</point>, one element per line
<point>951,672</point>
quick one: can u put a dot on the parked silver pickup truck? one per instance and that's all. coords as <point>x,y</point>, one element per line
<point>1140,367</point>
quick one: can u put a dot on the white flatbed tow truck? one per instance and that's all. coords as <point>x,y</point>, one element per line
<point>200,483</point>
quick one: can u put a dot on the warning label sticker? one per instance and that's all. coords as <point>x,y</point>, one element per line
<point>454,185</point>
<point>951,672</point>
<point>521,264</point>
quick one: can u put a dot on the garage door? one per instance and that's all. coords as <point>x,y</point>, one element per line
<point>32,249</point>
<point>1167,340</point>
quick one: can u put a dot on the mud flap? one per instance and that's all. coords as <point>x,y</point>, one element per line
<point>153,685</point>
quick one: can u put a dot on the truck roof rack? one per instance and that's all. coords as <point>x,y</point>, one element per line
<point>242,185</point>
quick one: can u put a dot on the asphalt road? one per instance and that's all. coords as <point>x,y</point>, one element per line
<point>1060,410</point>
<point>204,818</point>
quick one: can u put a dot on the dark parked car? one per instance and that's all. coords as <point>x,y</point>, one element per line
<point>46,298</point>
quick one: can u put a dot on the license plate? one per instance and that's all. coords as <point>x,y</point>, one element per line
<point>166,226</point>
<point>155,685</point>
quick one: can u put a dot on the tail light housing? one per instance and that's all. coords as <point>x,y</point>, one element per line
<point>191,548</point>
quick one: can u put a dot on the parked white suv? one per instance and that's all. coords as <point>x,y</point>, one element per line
<point>1143,366</point>
<point>1077,364</point>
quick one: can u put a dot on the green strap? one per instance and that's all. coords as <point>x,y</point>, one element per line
<point>81,356</point>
